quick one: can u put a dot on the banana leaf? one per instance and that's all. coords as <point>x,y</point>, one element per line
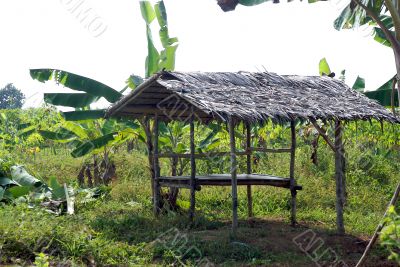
<point>74,100</point>
<point>89,146</point>
<point>56,189</point>
<point>22,177</point>
<point>359,84</point>
<point>60,134</point>
<point>324,67</point>
<point>383,97</point>
<point>7,182</point>
<point>77,82</point>
<point>81,115</point>
<point>19,191</point>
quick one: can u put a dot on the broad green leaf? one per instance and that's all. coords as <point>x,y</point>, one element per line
<point>89,146</point>
<point>57,190</point>
<point>109,126</point>
<point>134,81</point>
<point>168,58</point>
<point>69,100</point>
<point>359,84</point>
<point>81,115</point>
<point>60,134</point>
<point>77,82</point>
<point>153,56</point>
<point>129,124</point>
<point>24,125</point>
<point>148,12</point>
<point>161,14</point>
<point>27,131</point>
<point>324,67</point>
<point>5,182</point>
<point>76,128</point>
<point>383,97</point>
<point>252,2</point>
<point>388,84</point>
<point>20,191</point>
<point>380,37</point>
<point>21,176</point>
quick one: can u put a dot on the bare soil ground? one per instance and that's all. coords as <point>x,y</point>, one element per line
<point>303,245</point>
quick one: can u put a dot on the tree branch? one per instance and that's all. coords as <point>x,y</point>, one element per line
<point>395,16</point>
<point>322,132</point>
<point>393,41</point>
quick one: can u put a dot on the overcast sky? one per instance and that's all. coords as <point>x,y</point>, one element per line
<point>287,38</point>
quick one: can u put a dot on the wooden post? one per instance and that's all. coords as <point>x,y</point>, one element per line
<point>233,177</point>
<point>291,176</point>
<point>248,169</point>
<point>192,172</point>
<point>339,176</point>
<point>156,164</point>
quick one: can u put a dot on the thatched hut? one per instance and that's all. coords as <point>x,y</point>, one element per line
<point>251,98</point>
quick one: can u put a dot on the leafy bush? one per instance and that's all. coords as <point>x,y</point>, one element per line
<point>390,235</point>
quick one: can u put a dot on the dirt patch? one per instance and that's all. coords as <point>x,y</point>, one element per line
<point>303,245</point>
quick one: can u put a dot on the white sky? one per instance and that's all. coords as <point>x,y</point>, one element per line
<point>288,38</point>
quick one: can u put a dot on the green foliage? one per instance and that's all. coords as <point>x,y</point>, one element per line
<point>73,81</point>
<point>324,68</point>
<point>390,234</point>
<point>11,97</point>
<point>164,59</point>
<point>359,84</point>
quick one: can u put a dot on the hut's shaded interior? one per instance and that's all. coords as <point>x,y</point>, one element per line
<point>248,98</point>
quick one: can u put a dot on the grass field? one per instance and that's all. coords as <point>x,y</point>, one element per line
<point>120,229</point>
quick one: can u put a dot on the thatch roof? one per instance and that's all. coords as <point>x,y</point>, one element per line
<point>251,97</point>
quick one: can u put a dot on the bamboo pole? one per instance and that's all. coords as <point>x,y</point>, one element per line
<point>157,193</point>
<point>292,179</point>
<point>233,177</point>
<point>192,172</point>
<point>339,176</point>
<point>248,169</point>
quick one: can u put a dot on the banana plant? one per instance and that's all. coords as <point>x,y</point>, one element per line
<point>90,91</point>
<point>386,94</point>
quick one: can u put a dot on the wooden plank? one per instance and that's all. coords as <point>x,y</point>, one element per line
<point>225,180</point>
<point>192,172</point>
<point>209,155</point>
<point>271,150</point>
<point>293,190</point>
<point>233,178</point>
<point>339,177</point>
<point>248,171</point>
<point>157,193</point>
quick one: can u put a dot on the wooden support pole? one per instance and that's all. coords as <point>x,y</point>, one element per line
<point>339,177</point>
<point>233,177</point>
<point>192,172</point>
<point>157,193</point>
<point>248,171</point>
<point>293,190</point>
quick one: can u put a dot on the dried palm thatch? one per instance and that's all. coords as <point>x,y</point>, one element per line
<point>250,97</point>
